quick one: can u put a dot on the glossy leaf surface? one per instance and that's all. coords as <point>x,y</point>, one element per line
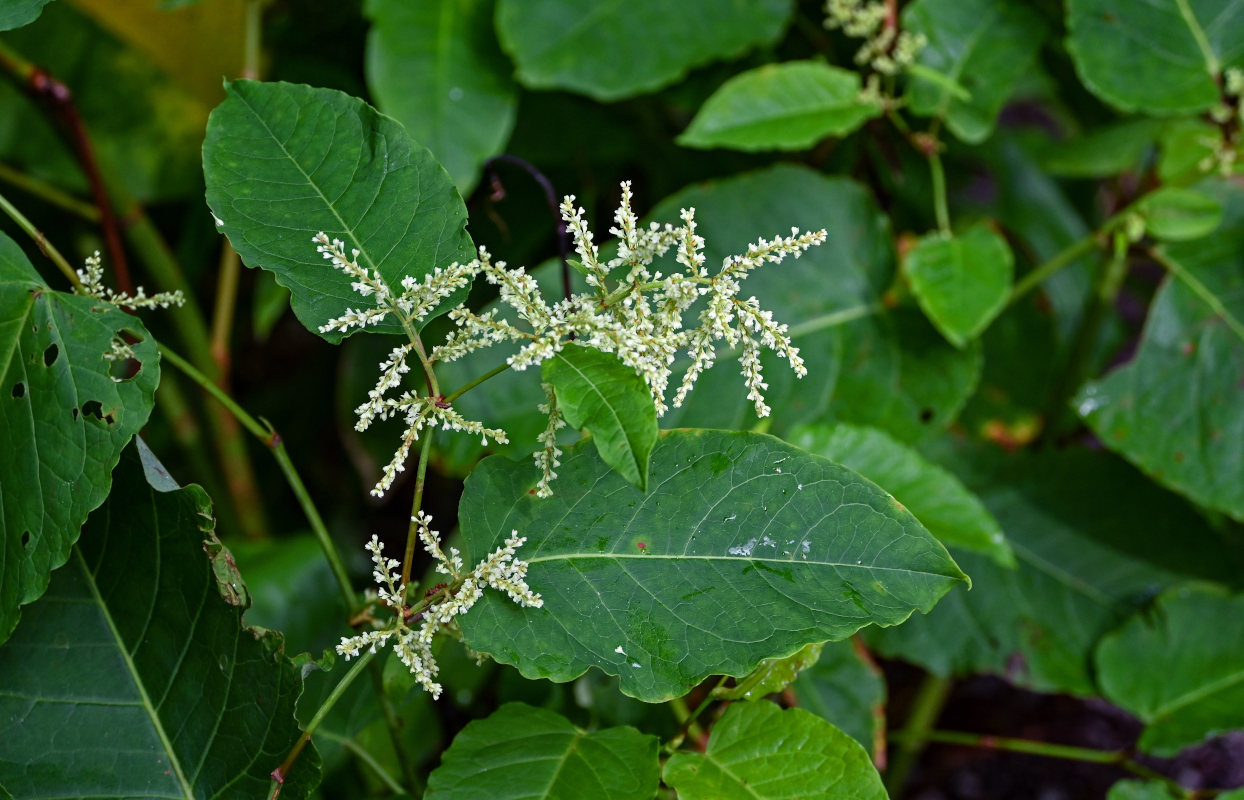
<point>436,68</point>
<point>780,548</point>
<point>983,46</point>
<point>611,50</point>
<point>780,107</point>
<point>1177,667</point>
<point>961,281</point>
<point>1160,57</point>
<point>526,753</point>
<point>942,504</point>
<point>1177,408</point>
<point>133,676</point>
<point>757,751</point>
<point>63,420</point>
<point>284,161</point>
<point>598,392</point>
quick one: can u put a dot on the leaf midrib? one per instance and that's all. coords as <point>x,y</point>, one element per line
<point>1198,35</point>
<point>617,421</point>
<point>174,763</point>
<point>736,559</point>
<point>1200,693</point>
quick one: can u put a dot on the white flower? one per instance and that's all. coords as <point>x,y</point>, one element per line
<point>92,279</point>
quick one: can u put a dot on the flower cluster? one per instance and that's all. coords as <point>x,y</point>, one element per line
<point>413,645</point>
<point>92,279</point>
<point>886,49</point>
<point>630,310</point>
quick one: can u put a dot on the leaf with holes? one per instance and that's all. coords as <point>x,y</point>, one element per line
<point>133,676</point>
<point>786,106</point>
<point>612,50</point>
<point>436,68</point>
<point>1158,57</point>
<point>1173,667</point>
<point>1176,409</point>
<point>66,412</point>
<point>982,46</point>
<point>524,752</point>
<point>780,548</point>
<point>598,392</point>
<point>757,751</point>
<point>962,282</point>
<point>283,162</point>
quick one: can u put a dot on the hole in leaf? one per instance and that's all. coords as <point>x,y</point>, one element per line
<point>50,355</point>
<point>126,369</point>
<point>94,408</point>
<point>25,539</point>
<point>75,415</point>
<point>19,389</point>
<point>926,415</point>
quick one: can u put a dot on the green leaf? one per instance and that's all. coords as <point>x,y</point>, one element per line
<point>1132,789</point>
<point>1163,57</point>
<point>525,752</point>
<point>777,560</point>
<point>942,504</point>
<point>984,46</point>
<point>1103,152</point>
<point>1176,409</point>
<point>962,282</point>
<point>757,751</point>
<point>134,677</point>
<point>63,419</point>
<point>437,69</point>
<point>283,162</point>
<point>16,13</point>
<point>1177,668</point>
<point>771,675</point>
<point>848,690</point>
<point>1083,566</point>
<point>786,106</point>
<point>598,392</point>
<point>1176,214</point>
<point>563,44</point>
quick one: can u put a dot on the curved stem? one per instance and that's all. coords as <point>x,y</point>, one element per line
<point>44,245</point>
<point>927,707</point>
<point>550,197</point>
<point>49,193</point>
<point>272,440</point>
<point>412,535</point>
<point>940,208</point>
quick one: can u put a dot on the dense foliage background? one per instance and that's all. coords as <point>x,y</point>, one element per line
<point>1027,325</point>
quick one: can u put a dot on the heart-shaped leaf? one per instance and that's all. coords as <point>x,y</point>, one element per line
<point>526,753</point>
<point>780,107</point>
<point>962,281</point>
<point>64,419</point>
<point>778,547</point>
<point>757,751</point>
<point>598,392</point>
<point>283,162</point>
<point>133,676</point>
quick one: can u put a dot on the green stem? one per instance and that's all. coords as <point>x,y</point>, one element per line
<point>1202,291</point>
<point>44,245</point>
<point>1084,344</point>
<point>282,772</point>
<point>1117,758</point>
<point>1040,274</point>
<point>49,193</point>
<point>492,373</point>
<point>940,208</point>
<point>362,755</point>
<point>273,441</point>
<point>412,535</point>
<point>927,707</point>
<point>226,302</point>
<point>688,720</point>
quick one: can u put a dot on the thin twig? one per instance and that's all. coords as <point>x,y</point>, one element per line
<point>550,197</point>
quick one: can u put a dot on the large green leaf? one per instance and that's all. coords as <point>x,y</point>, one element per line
<point>1178,668</point>
<point>848,690</point>
<point>937,498</point>
<point>283,162</point>
<point>63,419</point>
<point>1083,566</point>
<point>1158,57</point>
<point>983,46</point>
<point>598,392</point>
<point>778,548</point>
<point>1177,409</point>
<point>757,751</point>
<point>962,282</point>
<point>134,677</point>
<point>614,49</point>
<point>780,107</point>
<point>437,69</point>
<point>529,753</point>
<point>16,13</point>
